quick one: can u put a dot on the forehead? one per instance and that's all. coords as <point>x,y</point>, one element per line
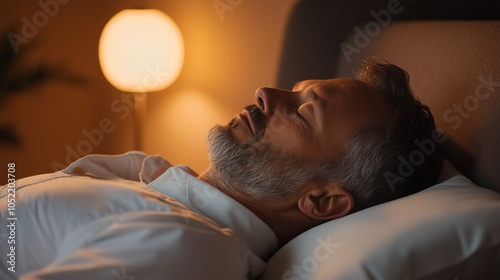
<point>352,98</point>
<point>342,107</point>
<point>339,88</point>
<point>334,83</point>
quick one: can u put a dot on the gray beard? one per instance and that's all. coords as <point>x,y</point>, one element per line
<point>254,170</point>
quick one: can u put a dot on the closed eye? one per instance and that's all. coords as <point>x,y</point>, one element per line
<point>298,114</point>
<point>302,112</point>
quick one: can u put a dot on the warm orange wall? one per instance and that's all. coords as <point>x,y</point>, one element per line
<point>226,60</point>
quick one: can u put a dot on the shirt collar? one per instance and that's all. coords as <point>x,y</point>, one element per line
<point>125,166</point>
<point>178,184</point>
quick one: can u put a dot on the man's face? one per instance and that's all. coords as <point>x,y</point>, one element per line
<point>278,140</point>
<point>315,120</point>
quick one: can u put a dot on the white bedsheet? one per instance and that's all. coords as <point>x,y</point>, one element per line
<point>98,226</point>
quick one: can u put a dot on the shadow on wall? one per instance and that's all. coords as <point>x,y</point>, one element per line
<point>15,81</point>
<point>317,28</point>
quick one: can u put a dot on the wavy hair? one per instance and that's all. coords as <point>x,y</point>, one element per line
<point>371,168</point>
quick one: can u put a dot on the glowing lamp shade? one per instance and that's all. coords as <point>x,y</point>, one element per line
<point>141,50</point>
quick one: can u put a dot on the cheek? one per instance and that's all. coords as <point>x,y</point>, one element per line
<point>285,138</point>
<point>278,125</point>
<point>276,130</point>
<point>335,138</point>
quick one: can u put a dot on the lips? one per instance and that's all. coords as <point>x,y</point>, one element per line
<point>245,117</point>
<point>253,118</point>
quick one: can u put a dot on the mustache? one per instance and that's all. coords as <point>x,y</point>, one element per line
<point>257,118</point>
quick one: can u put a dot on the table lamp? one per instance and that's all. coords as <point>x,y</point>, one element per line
<point>140,51</point>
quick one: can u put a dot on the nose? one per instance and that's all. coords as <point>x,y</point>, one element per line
<point>271,100</point>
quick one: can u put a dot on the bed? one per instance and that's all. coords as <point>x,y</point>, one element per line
<point>451,230</point>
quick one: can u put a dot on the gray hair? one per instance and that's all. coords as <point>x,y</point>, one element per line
<point>360,171</point>
<point>373,153</point>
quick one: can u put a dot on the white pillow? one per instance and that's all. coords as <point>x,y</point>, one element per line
<point>449,231</point>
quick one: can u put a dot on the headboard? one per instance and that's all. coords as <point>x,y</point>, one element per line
<point>454,64</point>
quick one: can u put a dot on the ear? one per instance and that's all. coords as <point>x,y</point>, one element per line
<point>325,201</point>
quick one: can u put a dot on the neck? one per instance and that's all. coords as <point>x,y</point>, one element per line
<point>283,217</point>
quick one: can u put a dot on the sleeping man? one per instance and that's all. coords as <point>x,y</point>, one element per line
<point>290,162</point>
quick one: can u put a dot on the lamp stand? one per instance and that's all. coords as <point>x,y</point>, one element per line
<point>140,107</point>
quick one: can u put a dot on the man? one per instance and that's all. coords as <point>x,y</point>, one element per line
<point>294,160</point>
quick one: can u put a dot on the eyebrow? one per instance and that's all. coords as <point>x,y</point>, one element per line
<point>297,84</point>
<point>303,83</point>
<point>308,83</point>
<point>314,95</point>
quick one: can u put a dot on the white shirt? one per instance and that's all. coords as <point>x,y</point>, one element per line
<point>104,218</point>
